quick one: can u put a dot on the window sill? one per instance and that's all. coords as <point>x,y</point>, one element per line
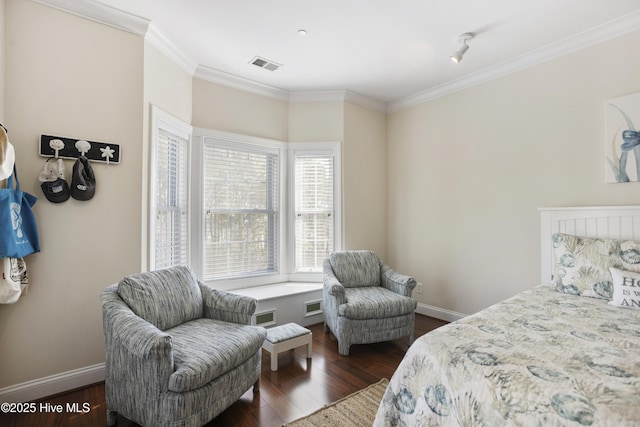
<point>277,290</point>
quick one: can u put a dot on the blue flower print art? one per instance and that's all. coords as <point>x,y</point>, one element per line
<point>623,146</point>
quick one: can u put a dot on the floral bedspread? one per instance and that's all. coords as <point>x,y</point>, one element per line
<point>540,358</point>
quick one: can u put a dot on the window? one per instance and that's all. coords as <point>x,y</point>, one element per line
<point>313,210</point>
<point>169,225</point>
<point>241,210</point>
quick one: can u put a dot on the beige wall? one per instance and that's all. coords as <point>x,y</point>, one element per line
<point>166,85</point>
<point>468,172</point>
<point>232,110</point>
<point>71,77</point>
<point>365,180</point>
<point>316,121</point>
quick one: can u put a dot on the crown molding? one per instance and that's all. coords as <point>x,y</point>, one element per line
<point>338,96</point>
<point>592,36</point>
<point>366,101</point>
<point>117,18</point>
<point>102,14</point>
<point>237,82</point>
<point>164,45</point>
<point>317,96</point>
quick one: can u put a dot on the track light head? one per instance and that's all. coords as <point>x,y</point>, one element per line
<point>463,39</point>
<point>457,56</point>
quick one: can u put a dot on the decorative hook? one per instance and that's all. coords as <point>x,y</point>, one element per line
<point>107,153</point>
<point>56,145</point>
<point>83,146</point>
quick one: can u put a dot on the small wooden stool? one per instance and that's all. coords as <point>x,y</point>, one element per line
<point>286,337</point>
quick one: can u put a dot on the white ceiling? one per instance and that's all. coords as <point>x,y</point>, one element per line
<point>386,50</point>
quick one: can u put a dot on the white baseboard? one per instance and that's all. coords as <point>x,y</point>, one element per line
<point>53,384</point>
<point>439,313</point>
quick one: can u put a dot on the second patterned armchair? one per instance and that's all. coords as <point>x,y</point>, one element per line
<point>365,301</point>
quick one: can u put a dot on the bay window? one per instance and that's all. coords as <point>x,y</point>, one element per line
<point>261,211</point>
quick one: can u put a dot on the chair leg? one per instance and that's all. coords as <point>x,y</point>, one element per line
<point>309,346</point>
<point>112,418</point>
<point>256,386</point>
<point>343,348</point>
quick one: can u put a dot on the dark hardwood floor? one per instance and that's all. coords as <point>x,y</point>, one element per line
<point>299,387</point>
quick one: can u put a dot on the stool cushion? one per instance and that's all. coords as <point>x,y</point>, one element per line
<point>285,332</point>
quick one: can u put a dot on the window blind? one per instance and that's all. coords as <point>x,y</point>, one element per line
<point>171,201</point>
<point>241,202</point>
<point>314,211</point>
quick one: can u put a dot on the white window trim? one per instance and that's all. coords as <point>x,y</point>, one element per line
<point>197,207</point>
<point>161,120</point>
<point>322,148</point>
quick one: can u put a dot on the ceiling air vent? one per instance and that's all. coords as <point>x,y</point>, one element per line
<point>265,63</point>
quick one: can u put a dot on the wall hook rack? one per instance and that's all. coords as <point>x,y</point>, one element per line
<point>71,148</point>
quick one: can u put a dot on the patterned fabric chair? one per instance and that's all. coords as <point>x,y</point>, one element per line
<point>178,352</point>
<point>365,301</point>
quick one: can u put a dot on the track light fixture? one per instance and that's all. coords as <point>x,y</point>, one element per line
<point>463,39</point>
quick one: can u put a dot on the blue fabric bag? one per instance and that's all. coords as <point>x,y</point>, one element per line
<point>18,228</point>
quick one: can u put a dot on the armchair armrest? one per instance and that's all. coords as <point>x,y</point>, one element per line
<point>331,284</point>
<point>396,282</point>
<point>226,306</point>
<point>139,356</point>
<point>139,337</point>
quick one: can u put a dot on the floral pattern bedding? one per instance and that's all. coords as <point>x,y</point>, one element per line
<point>540,358</point>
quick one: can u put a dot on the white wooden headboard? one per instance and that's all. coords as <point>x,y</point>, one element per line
<point>609,222</point>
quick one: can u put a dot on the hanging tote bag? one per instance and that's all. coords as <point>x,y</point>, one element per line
<point>18,228</point>
<point>14,280</point>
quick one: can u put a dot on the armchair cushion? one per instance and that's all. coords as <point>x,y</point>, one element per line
<point>204,349</point>
<point>356,268</point>
<point>164,298</point>
<point>375,303</point>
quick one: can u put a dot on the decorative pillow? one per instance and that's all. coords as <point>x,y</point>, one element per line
<point>626,288</point>
<point>164,298</point>
<point>582,264</point>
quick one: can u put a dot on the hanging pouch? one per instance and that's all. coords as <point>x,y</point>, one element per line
<point>18,228</point>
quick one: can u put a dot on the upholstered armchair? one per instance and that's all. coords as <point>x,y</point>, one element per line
<point>178,352</point>
<point>365,301</point>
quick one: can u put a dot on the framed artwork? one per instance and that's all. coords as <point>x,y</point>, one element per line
<point>622,140</point>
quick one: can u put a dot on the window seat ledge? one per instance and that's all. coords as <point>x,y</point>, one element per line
<point>278,290</point>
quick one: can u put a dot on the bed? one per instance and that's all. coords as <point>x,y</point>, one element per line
<point>559,354</point>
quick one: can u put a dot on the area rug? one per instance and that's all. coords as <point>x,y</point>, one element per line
<point>356,410</point>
